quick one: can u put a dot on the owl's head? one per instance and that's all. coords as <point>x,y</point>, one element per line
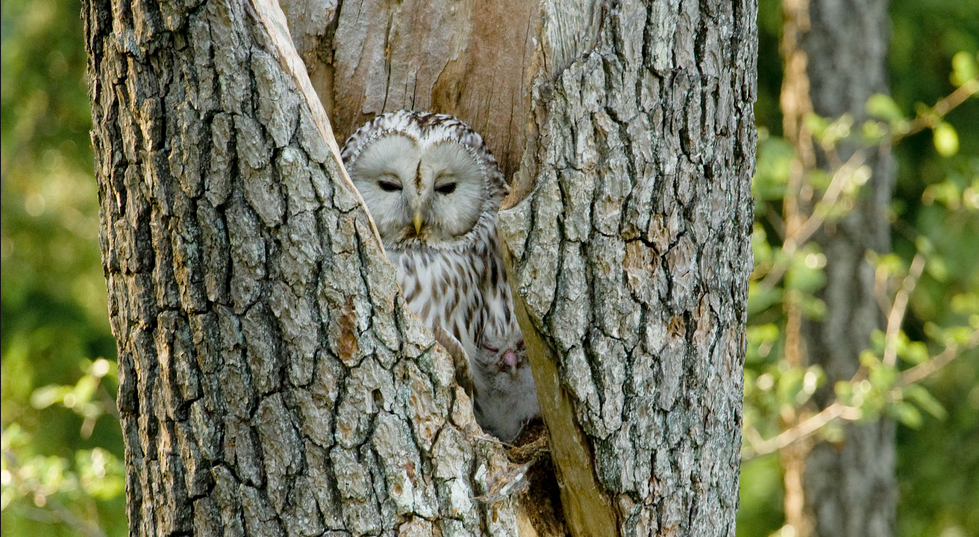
<point>427,179</point>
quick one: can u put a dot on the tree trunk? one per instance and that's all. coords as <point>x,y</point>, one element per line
<point>631,253</point>
<point>272,381</point>
<point>838,61</point>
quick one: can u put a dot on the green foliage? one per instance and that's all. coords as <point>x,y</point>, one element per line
<point>965,69</point>
<point>946,139</point>
<point>62,448</point>
<point>935,214</point>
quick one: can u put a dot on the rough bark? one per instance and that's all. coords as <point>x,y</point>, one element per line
<point>840,62</point>
<point>631,252</point>
<point>272,382</point>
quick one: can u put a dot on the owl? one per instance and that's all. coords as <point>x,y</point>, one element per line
<point>502,380</point>
<point>434,190</point>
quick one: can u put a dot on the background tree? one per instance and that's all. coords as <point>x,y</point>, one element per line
<point>61,443</point>
<point>822,281</point>
<point>835,56</point>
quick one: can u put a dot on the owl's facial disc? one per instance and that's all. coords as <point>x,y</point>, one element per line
<point>453,191</point>
<point>431,191</point>
<point>384,174</point>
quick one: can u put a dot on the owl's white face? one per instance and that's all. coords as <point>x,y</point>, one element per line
<point>433,191</point>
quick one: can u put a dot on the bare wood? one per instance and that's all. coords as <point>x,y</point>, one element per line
<point>588,509</point>
<point>372,57</point>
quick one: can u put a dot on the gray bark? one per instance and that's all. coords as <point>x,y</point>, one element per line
<point>631,252</point>
<point>850,488</point>
<point>272,381</point>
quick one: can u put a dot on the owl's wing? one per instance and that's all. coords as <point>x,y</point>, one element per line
<point>464,375</point>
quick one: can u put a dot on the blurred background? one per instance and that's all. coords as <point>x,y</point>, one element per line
<point>62,447</point>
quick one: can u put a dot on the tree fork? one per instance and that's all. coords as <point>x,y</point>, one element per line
<point>271,379</point>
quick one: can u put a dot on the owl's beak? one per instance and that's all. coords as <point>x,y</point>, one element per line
<point>418,221</point>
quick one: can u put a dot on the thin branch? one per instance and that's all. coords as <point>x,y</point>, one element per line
<point>776,220</point>
<point>816,220</point>
<point>941,109</point>
<point>812,224</point>
<point>881,290</point>
<point>832,194</point>
<point>896,316</point>
<point>926,368</point>
<point>802,430</point>
<point>758,446</point>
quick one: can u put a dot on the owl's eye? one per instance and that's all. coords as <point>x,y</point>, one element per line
<point>447,188</point>
<point>389,186</point>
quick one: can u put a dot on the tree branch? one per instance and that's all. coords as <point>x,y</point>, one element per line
<point>928,367</point>
<point>896,316</point>
<point>758,446</point>
<point>941,108</point>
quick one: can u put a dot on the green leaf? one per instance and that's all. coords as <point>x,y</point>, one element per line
<point>813,308</point>
<point>881,377</point>
<point>816,124</point>
<point>867,358</point>
<point>924,245</point>
<point>762,333</point>
<point>760,247</point>
<point>890,263</point>
<point>837,130</point>
<point>46,396</point>
<point>833,432</point>
<point>873,132</point>
<point>761,298</point>
<point>945,192</point>
<point>965,303</point>
<point>946,140</point>
<point>907,414</point>
<point>789,386</point>
<point>775,157</point>
<point>915,352</point>
<point>101,474</point>
<point>813,379</point>
<point>883,107</point>
<point>964,68</point>
<point>936,268</point>
<point>806,271</point>
<point>959,334</point>
<point>924,399</point>
<point>819,179</point>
